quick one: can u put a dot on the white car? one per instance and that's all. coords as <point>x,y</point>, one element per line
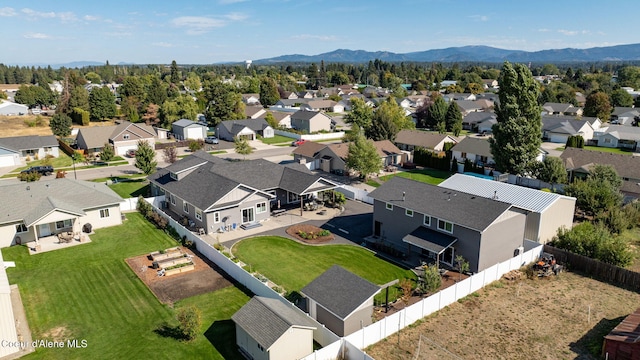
<point>211,140</point>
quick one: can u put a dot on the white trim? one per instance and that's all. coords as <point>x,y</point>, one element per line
<point>242,215</point>
<point>445,226</point>
<point>408,212</point>
<point>185,207</point>
<point>216,217</point>
<point>21,226</point>
<point>389,206</point>
<point>258,205</point>
<point>104,213</point>
<point>425,222</point>
<point>198,214</point>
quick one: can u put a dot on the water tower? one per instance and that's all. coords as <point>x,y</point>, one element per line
<point>247,63</point>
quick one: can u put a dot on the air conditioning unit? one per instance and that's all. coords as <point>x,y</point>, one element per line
<point>518,251</point>
<point>164,204</point>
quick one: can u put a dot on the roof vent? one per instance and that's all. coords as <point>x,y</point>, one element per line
<point>495,195</point>
<point>403,196</point>
<point>28,188</point>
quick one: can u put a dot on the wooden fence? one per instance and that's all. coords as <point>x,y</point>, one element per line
<point>599,270</point>
<point>66,148</point>
<point>178,144</point>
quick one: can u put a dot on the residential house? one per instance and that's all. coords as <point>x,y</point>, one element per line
<point>624,115</point>
<point>247,129</point>
<point>11,108</point>
<point>332,157</point>
<point>15,150</point>
<point>561,109</point>
<point>254,111</point>
<point>409,140</point>
<point>251,99</point>
<point>123,137</point>
<point>428,222</point>
<point>290,103</point>
<point>460,97</point>
<point>618,136</point>
<point>489,83</point>
<point>290,95</point>
<point>446,83</point>
<point>307,94</point>
<point>311,121</point>
<point>468,106</point>
<point>323,105</point>
<point>48,207</point>
<point>215,195</point>
<point>558,129</point>
<point>580,99</point>
<point>184,129</point>
<point>340,300</point>
<point>546,212</point>
<point>579,162</point>
<point>270,329</point>
<point>476,150</point>
<point>471,120</point>
<point>282,118</point>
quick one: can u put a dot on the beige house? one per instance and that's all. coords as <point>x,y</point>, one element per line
<point>269,329</point>
<point>332,157</point>
<point>46,208</point>
<point>311,121</point>
<point>124,137</point>
<point>410,139</point>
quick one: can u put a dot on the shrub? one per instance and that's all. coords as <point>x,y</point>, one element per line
<point>596,242</point>
<point>30,176</point>
<point>190,322</point>
<point>431,280</point>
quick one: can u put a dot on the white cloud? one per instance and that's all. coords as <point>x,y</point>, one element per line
<point>90,18</point>
<point>197,25</point>
<point>63,16</point>
<point>544,30</point>
<point>7,11</point>
<point>573,32</point>
<point>479,17</point>
<point>162,44</point>
<point>314,37</point>
<point>36,36</point>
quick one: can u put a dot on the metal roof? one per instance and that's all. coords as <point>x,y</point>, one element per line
<point>7,321</point>
<point>519,196</point>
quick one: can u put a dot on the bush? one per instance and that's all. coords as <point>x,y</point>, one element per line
<point>190,322</point>
<point>30,176</point>
<point>596,242</point>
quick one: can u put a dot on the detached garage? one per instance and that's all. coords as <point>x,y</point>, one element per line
<point>186,129</point>
<point>10,108</point>
<point>9,157</point>
<point>623,342</point>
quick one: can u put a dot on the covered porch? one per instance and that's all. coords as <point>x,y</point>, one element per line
<point>53,231</point>
<point>432,247</point>
<point>56,242</point>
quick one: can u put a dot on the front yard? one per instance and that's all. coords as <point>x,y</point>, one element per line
<point>293,265</point>
<point>89,292</point>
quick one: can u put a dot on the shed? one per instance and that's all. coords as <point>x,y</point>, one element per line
<point>623,342</point>
<point>11,108</point>
<point>186,129</point>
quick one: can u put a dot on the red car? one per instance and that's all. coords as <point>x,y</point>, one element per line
<point>298,142</point>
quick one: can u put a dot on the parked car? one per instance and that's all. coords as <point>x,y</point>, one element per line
<point>131,153</point>
<point>298,142</point>
<point>43,170</point>
<point>211,140</point>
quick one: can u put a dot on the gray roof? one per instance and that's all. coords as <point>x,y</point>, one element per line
<point>521,197</point>
<point>476,117</point>
<point>468,105</point>
<point>32,201</point>
<point>97,136</point>
<point>306,115</point>
<point>266,320</point>
<point>340,291</point>
<point>428,239</point>
<point>183,123</point>
<point>619,110</point>
<point>471,211</point>
<point>474,145</point>
<point>19,143</point>
<point>235,126</point>
<point>623,132</point>
<point>559,107</point>
<point>562,124</point>
<point>424,139</point>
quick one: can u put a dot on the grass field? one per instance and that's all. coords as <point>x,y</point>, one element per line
<point>604,149</point>
<point>89,292</point>
<point>276,139</point>
<point>293,265</point>
<point>131,188</point>
<point>429,176</point>
<point>561,317</point>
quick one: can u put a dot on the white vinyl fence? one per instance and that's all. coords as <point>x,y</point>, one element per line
<point>311,137</point>
<point>321,335</point>
<point>355,194</point>
<point>407,316</point>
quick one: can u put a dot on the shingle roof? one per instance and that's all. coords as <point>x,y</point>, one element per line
<point>305,115</point>
<point>237,125</point>
<point>31,201</point>
<point>464,209</point>
<point>521,197</point>
<point>423,139</point>
<point>19,143</point>
<point>562,124</point>
<point>266,320</point>
<point>623,132</point>
<point>476,117</point>
<point>383,147</point>
<point>309,149</point>
<point>340,291</point>
<point>184,123</point>
<point>96,136</point>
<point>473,145</point>
<point>628,331</point>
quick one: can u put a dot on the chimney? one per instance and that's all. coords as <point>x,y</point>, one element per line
<point>403,195</point>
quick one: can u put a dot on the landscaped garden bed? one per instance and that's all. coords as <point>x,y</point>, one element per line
<point>310,234</point>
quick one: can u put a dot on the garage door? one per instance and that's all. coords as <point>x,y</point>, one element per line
<point>9,160</point>
<point>122,150</point>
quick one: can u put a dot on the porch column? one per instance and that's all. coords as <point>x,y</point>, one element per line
<point>35,233</point>
<point>301,205</point>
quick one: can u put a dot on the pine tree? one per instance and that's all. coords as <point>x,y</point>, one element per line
<point>518,133</point>
<point>107,153</point>
<point>269,94</point>
<point>60,125</point>
<point>146,158</point>
<point>453,118</point>
<point>242,146</point>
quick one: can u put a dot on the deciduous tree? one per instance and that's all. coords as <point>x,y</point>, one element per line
<point>242,147</point>
<point>597,105</point>
<point>552,171</point>
<point>102,104</point>
<point>517,135</point>
<point>107,153</point>
<point>190,322</point>
<point>223,103</point>
<point>363,157</point>
<point>361,114</point>
<point>269,94</point>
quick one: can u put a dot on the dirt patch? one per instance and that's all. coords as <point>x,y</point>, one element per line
<point>295,229</point>
<point>59,333</point>
<point>548,318</point>
<point>206,277</point>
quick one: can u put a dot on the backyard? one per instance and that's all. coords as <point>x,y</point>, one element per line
<point>604,149</point>
<point>561,317</point>
<point>293,265</point>
<point>89,292</point>
<point>426,175</point>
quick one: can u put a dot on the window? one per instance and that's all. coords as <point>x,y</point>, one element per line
<point>173,176</point>
<point>463,155</point>
<point>445,226</point>
<point>21,228</point>
<point>607,141</point>
<point>389,206</point>
<point>63,224</point>
<point>198,214</point>
<point>173,199</point>
<point>408,212</point>
<point>293,197</point>
<point>125,136</point>
<point>104,213</point>
<point>185,207</point>
<point>216,217</point>
<point>427,220</point>
<point>260,347</point>
<point>47,149</point>
<point>261,208</point>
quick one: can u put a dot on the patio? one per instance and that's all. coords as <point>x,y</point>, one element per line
<point>55,242</point>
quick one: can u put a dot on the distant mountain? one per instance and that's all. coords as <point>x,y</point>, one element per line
<point>629,52</point>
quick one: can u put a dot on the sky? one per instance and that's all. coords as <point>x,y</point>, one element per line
<point>215,31</point>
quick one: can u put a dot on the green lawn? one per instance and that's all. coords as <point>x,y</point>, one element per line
<point>429,176</point>
<point>276,139</point>
<point>293,265</point>
<point>89,292</point>
<point>131,188</point>
<point>604,149</point>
